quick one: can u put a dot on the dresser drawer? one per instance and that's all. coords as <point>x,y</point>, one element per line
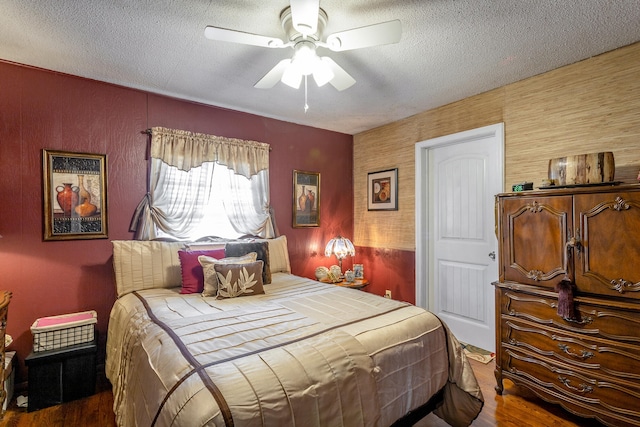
<point>608,322</point>
<point>616,403</point>
<point>612,358</point>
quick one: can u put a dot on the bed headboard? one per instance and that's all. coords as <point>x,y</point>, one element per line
<point>143,264</point>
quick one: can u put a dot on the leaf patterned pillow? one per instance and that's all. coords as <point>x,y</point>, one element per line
<point>239,280</point>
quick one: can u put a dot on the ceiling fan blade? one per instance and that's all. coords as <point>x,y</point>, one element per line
<point>233,36</point>
<point>304,15</point>
<point>341,79</point>
<point>274,75</point>
<point>372,35</point>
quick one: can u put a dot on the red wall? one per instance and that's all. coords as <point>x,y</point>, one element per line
<point>389,269</point>
<point>41,109</point>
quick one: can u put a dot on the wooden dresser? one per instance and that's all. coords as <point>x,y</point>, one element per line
<point>588,362</point>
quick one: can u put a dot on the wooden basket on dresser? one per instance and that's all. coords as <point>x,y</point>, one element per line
<point>588,362</point>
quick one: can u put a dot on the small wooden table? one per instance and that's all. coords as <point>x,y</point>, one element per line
<point>356,284</point>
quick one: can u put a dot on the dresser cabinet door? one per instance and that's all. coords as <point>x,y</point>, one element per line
<point>607,262</point>
<point>535,231</point>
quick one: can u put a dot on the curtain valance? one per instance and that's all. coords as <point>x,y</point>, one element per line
<point>186,150</point>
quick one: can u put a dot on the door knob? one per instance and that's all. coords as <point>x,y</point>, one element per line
<point>492,255</point>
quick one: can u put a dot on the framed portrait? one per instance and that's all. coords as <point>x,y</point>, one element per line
<point>306,199</point>
<point>75,195</point>
<point>382,190</point>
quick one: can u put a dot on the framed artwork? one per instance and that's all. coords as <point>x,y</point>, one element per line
<point>382,190</point>
<point>306,199</point>
<point>75,195</point>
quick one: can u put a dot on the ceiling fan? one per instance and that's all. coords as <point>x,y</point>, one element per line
<point>303,23</point>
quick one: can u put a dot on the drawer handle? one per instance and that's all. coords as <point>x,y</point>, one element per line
<point>585,354</point>
<point>585,321</point>
<point>582,388</point>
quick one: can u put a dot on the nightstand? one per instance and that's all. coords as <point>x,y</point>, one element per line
<point>356,284</point>
<point>61,375</point>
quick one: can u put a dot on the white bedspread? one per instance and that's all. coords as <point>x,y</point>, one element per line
<point>304,354</point>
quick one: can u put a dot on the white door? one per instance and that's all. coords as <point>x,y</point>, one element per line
<point>463,173</point>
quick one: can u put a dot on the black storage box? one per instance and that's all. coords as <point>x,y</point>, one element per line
<point>61,375</point>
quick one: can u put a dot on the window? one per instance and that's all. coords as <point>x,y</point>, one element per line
<point>209,198</point>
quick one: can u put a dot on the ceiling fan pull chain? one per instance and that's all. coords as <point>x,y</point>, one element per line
<point>306,105</point>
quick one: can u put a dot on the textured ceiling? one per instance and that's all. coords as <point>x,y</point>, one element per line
<point>450,49</point>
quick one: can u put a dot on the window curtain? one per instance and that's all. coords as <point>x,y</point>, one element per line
<point>241,208</point>
<point>181,184</point>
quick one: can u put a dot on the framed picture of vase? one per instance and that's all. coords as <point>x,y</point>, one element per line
<point>75,195</point>
<point>382,190</point>
<point>306,199</point>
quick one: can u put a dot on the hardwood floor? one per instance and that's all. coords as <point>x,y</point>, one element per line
<point>517,407</point>
<point>93,411</point>
<point>512,409</point>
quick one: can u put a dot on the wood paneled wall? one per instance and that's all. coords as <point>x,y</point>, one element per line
<point>42,109</point>
<point>589,106</point>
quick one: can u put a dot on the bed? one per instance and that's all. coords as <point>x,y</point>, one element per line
<point>303,353</point>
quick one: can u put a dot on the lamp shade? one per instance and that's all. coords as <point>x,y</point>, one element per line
<point>340,247</point>
<point>322,73</point>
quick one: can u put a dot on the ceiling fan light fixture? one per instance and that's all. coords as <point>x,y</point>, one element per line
<point>304,23</point>
<point>305,57</point>
<point>322,73</point>
<point>292,76</point>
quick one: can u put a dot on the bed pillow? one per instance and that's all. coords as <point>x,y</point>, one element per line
<point>205,246</point>
<point>208,270</point>
<point>239,280</point>
<point>235,249</point>
<point>278,255</point>
<point>192,275</point>
<point>145,264</point>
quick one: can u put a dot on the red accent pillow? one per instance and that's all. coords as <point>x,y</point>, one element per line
<point>192,275</point>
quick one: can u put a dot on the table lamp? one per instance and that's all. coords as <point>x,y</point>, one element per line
<point>340,247</point>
